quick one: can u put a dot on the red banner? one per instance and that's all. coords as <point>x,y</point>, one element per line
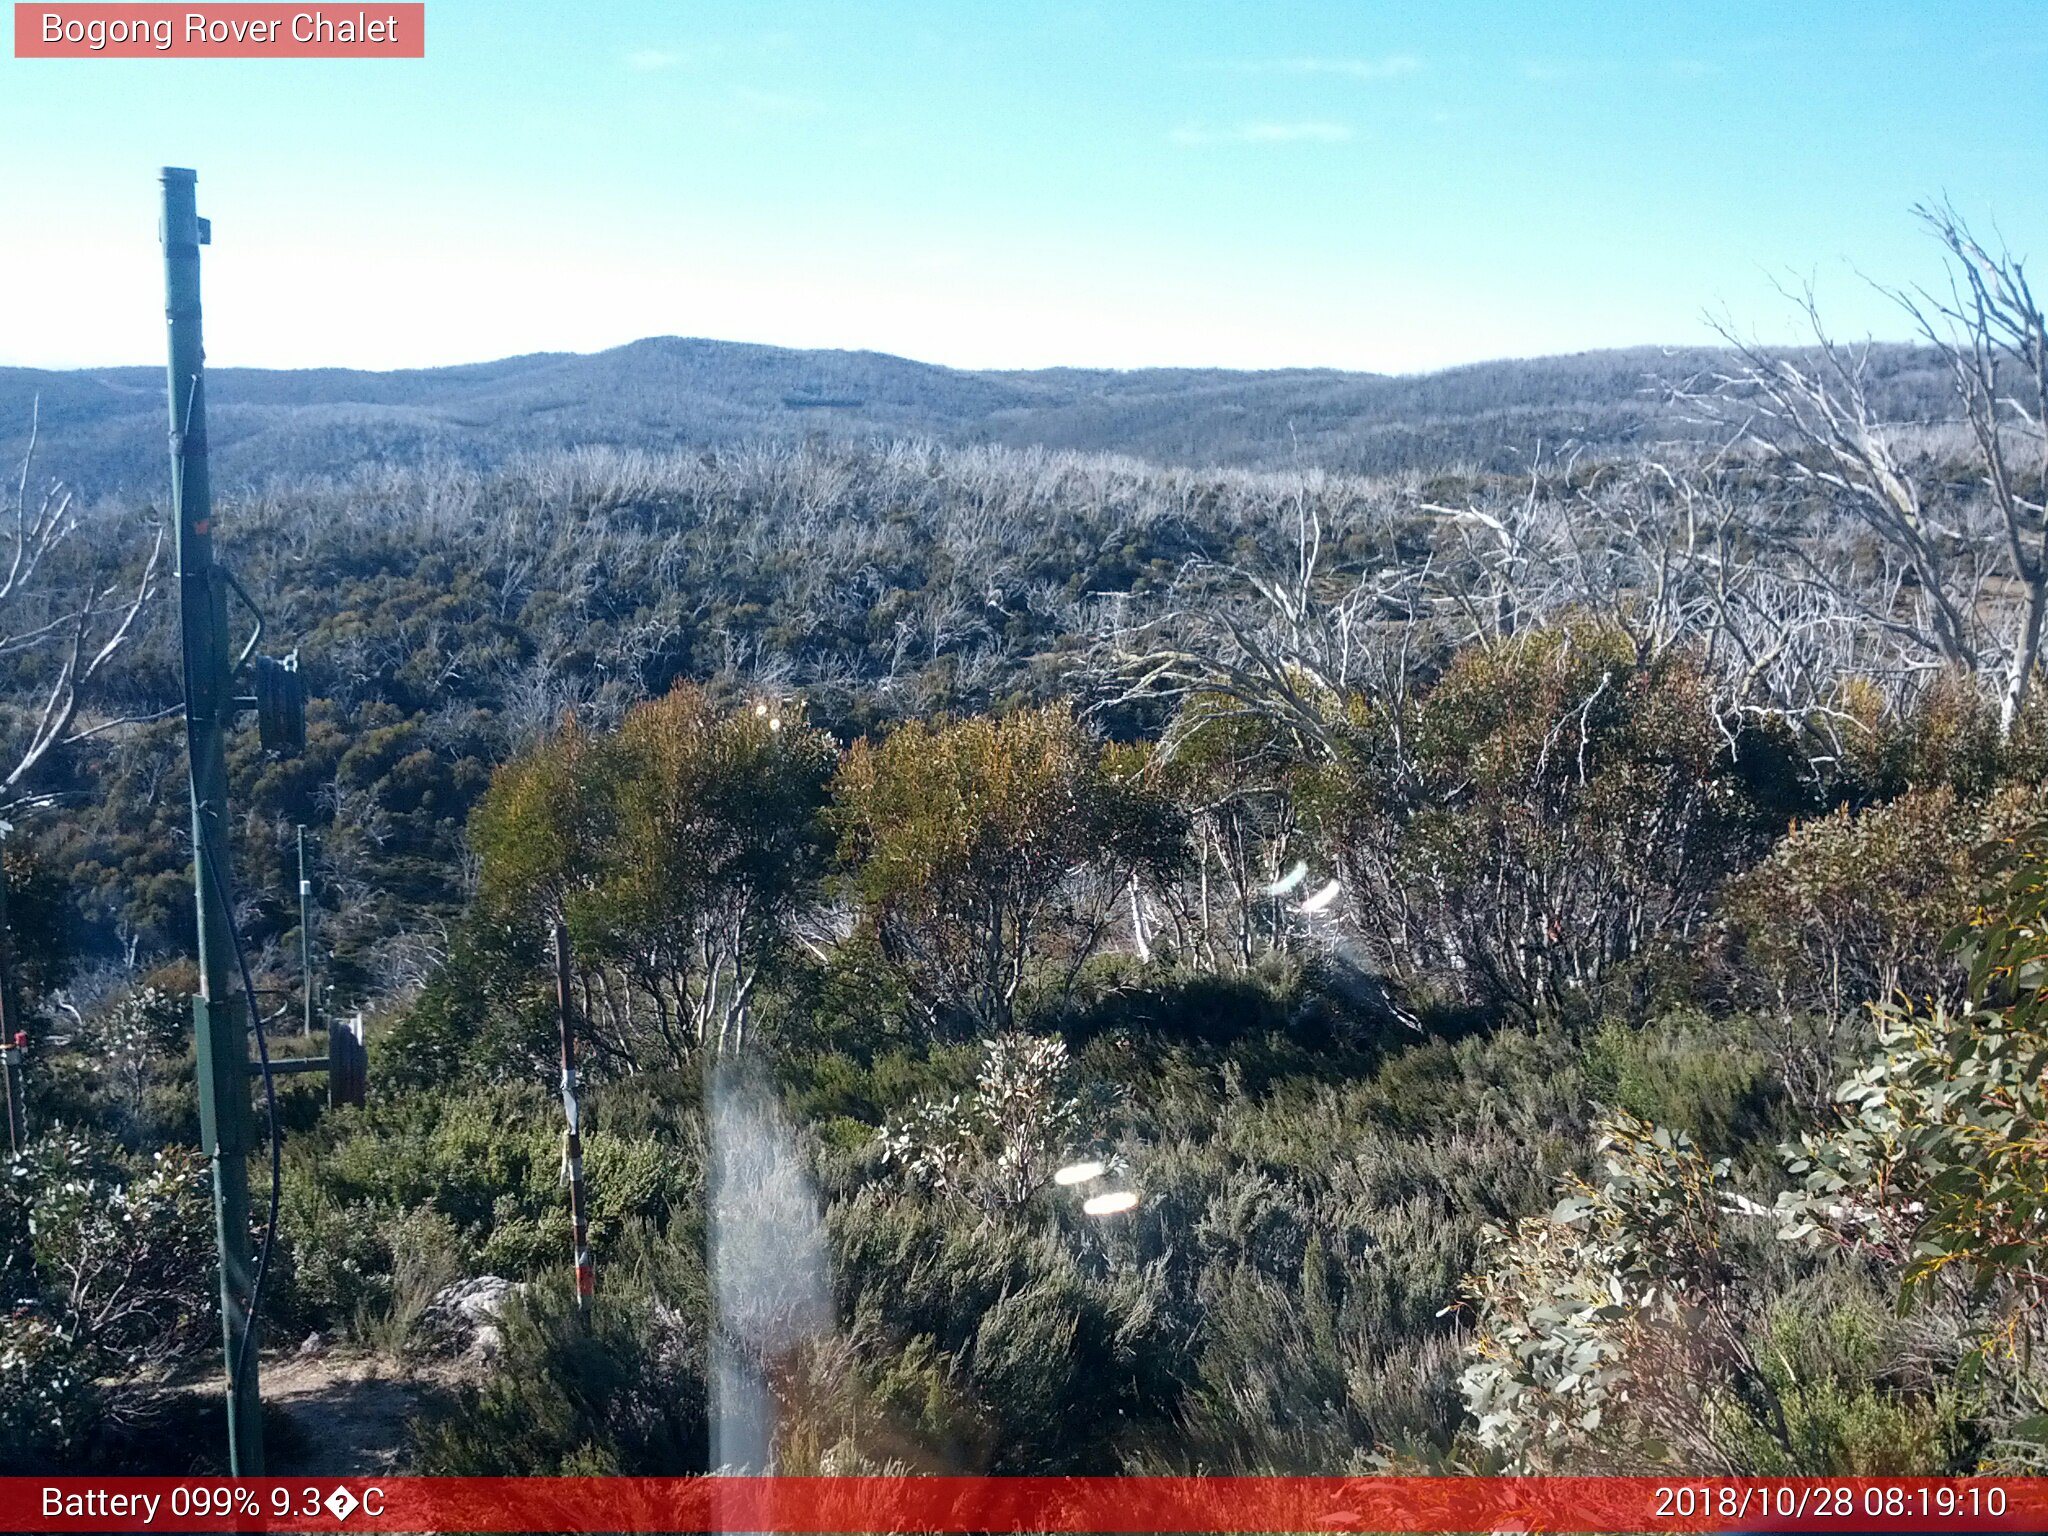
<point>373,31</point>
<point>1051,1504</point>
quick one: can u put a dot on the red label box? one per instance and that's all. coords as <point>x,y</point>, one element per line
<point>361,30</point>
<point>1227,1506</point>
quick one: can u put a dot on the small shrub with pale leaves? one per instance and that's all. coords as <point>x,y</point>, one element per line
<point>1573,1364</point>
<point>999,1143</point>
<point>135,1037</point>
<point>128,1260</point>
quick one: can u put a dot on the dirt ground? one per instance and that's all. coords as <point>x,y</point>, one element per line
<point>341,1413</point>
<point>348,1413</point>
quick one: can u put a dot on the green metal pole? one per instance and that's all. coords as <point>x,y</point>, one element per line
<point>226,1123</point>
<point>10,1025</point>
<point>305,937</point>
<point>17,1104</point>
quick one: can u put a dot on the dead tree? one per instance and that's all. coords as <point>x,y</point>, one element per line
<point>72,624</point>
<point>1990,332</point>
<point>1973,590</point>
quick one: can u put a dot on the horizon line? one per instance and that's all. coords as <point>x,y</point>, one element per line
<point>900,357</point>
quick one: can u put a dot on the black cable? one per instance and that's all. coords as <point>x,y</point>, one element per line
<point>220,893</point>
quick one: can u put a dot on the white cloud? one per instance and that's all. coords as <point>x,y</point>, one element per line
<point>645,61</point>
<point>1392,67</point>
<point>1195,136</point>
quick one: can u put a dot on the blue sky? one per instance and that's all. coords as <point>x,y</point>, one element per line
<point>1362,185</point>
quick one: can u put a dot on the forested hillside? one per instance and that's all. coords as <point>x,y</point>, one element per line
<point>1530,961</point>
<point>104,425</point>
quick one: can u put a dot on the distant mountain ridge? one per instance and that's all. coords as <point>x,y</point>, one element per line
<point>103,429</point>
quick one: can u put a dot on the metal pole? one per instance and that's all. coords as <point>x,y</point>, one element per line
<point>226,1124</point>
<point>11,1035</point>
<point>305,937</point>
<point>17,1102</point>
<point>572,1153</point>
<point>10,1011</point>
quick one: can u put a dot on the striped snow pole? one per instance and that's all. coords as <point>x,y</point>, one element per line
<point>572,1151</point>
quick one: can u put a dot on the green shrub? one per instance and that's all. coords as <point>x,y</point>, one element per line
<point>426,1255</point>
<point>1521,1080</point>
<point>1850,909</point>
<point>1051,1343</point>
<point>1558,807</point>
<point>998,1144</point>
<point>50,1404</point>
<point>619,1390</point>
<point>1934,1165</point>
<point>108,1267</point>
<point>1604,1327</point>
<point>457,1152</point>
<point>1947,736</point>
<point>827,1085</point>
<point>1844,1390</point>
<point>976,848</point>
<point>1702,1076</point>
<point>478,1172</point>
<point>484,1017</point>
<point>121,1249</point>
<point>342,1260</point>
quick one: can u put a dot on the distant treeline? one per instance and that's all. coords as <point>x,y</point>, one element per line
<point>106,426</point>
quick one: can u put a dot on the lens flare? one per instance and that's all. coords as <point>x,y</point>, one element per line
<point>1110,1204</point>
<point>1321,899</point>
<point>1288,881</point>
<point>1078,1173</point>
